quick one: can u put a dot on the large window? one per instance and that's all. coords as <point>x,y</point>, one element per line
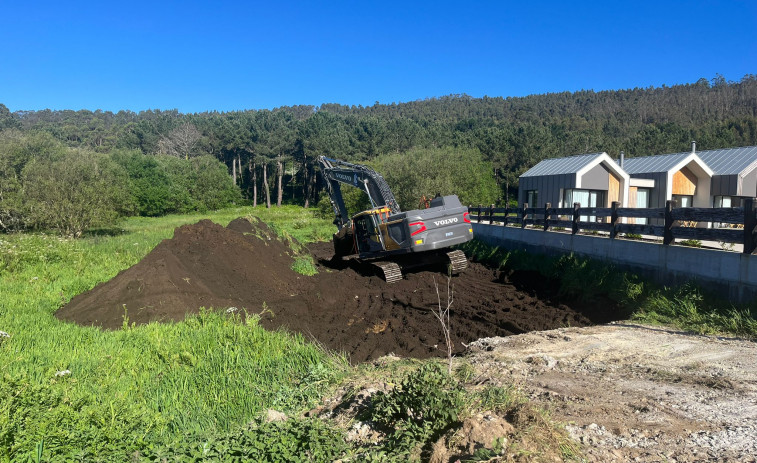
<point>728,201</point>
<point>586,198</point>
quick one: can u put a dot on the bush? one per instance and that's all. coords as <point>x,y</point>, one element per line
<point>74,191</point>
<point>163,185</point>
<point>150,185</point>
<point>211,186</point>
<point>447,171</point>
<point>16,150</point>
<point>355,200</point>
<point>426,403</point>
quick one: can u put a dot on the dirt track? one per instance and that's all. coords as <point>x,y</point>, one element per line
<point>245,266</point>
<point>636,393</point>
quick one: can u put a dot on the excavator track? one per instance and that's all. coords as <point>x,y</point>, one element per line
<point>389,270</point>
<point>457,261</point>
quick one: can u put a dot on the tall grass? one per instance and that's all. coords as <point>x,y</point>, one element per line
<point>687,307</point>
<point>83,393</point>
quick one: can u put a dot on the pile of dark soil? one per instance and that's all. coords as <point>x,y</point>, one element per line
<point>245,266</point>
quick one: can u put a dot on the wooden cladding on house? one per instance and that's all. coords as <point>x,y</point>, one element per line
<point>684,182</point>
<point>613,190</point>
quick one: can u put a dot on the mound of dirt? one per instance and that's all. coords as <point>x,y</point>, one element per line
<point>244,265</point>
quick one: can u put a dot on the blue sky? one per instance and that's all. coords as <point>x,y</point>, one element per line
<point>199,56</point>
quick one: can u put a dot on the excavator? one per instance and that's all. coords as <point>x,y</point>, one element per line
<point>388,239</point>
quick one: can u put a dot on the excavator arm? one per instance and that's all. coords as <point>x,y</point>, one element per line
<point>371,182</point>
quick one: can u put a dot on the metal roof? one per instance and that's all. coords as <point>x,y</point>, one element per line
<point>730,161</point>
<point>653,164</point>
<point>557,166</point>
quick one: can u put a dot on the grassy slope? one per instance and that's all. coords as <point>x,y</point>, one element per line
<point>687,307</point>
<point>147,385</point>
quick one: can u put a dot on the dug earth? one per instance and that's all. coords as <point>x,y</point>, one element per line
<point>626,392</point>
<point>635,393</point>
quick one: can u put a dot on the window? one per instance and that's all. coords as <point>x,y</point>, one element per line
<point>726,201</point>
<point>642,201</point>
<point>586,198</point>
<point>532,198</point>
<point>683,200</point>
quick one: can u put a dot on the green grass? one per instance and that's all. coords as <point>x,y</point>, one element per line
<point>144,386</point>
<point>687,307</point>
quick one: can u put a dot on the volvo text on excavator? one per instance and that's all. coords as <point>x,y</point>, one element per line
<point>387,238</point>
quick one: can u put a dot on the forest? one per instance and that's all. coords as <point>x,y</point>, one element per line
<point>166,161</point>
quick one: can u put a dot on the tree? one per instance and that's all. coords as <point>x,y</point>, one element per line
<point>446,171</point>
<point>7,121</point>
<point>16,151</point>
<point>180,142</point>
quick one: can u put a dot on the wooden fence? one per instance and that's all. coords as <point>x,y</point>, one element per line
<point>609,220</point>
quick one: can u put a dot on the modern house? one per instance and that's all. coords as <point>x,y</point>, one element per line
<point>593,180</point>
<point>712,178</point>
<point>682,177</point>
<point>734,175</point>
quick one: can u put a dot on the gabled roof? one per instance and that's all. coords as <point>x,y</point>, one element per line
<point>653,164</point>
<point>558,166</point>
<point>730,161</point>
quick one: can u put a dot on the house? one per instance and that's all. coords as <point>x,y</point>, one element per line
<point>683,177</point>
<point>593,180</point>
<point>734,175</point>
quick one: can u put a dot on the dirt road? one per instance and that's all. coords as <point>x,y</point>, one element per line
<point>636,393</point>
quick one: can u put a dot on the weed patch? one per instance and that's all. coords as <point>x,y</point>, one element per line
<point>686,307</point>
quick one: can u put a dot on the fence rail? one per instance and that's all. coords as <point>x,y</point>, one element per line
<point>679,223</point>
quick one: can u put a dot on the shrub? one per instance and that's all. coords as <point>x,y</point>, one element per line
<point>211,187</point>
<point>162,185</point>
<point>447,171</point>
<point>16,150</point>
<point>75,191</point>
<point>424,405</point>
<point>355,200</point>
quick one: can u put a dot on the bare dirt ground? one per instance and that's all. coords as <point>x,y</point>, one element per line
<point>246,267</point>
<point>626,392</point>
<point>636,393</point>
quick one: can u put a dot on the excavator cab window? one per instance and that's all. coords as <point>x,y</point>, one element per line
<point>367,234</point>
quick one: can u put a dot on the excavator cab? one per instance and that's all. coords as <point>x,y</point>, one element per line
<point>367,233</point>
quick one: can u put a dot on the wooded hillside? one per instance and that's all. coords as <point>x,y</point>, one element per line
<point>511,134</point>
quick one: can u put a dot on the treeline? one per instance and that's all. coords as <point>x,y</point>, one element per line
<point>47,185</point>
<point>270,154</point>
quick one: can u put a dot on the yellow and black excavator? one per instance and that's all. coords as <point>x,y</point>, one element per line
<point>387,238</point>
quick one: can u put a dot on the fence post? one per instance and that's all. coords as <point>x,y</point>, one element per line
<point>614,219</point>
<point>491,214</point>
<point>576,206</point>
<point>750,222</point>
<point>507,211</point>
<point>523,215</point>
<point>546,216</point>
<point>479,213</point>
<point>668,232</point>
